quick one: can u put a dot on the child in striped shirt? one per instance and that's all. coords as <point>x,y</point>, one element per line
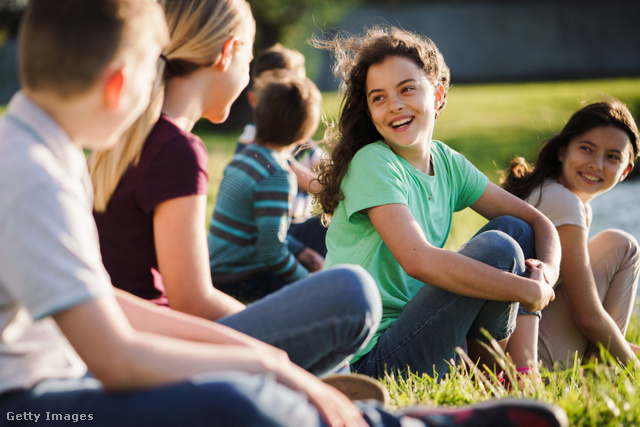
<point>250,252</point>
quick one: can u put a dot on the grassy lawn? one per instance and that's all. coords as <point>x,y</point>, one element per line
<point>489,124</point>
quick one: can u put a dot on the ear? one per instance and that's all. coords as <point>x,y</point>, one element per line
<point>561,152</point>
<point>251,97</point>
<point>439,92</point>
<point>113,89</point>
<point>626,172</point>
<point>227,55</point>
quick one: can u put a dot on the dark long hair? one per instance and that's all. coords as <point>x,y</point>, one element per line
<point>354,56</point>
<point>522,178</point>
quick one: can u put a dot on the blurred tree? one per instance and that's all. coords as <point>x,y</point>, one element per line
<point>292,23</point>
<point>276,20</point>
<point>10,12</point>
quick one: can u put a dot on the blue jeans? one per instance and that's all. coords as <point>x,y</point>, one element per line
<point>436,321</point>
<point>320,321</point>
<point>312,233</point>
<point>224,399</point>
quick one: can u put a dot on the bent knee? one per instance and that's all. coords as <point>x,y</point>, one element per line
<point>497,249</point>
<point>356,288</point>
<point>616,240</point>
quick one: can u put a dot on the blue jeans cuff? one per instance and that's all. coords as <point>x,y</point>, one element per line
<point>522,311</point>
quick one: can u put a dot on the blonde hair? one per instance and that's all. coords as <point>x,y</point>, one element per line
<point>66,45</point>
<point>198,30</point>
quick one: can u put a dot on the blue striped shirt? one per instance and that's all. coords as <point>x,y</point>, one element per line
<point>248,230</point>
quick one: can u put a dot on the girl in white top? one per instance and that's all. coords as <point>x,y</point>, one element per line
<point>599,275</point>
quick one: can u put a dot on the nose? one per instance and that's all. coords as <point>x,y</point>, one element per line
<point>596,163</point>
<point>395,103</point>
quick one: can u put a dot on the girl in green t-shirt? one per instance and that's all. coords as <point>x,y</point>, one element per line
<point>389,192</point>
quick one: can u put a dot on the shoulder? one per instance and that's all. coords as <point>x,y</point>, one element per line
<point>448,155</point>
<point>258,162</point>
<point>559,204</point>
<point>376,156</point>
<point>169,140</point>
<point>26,164</point>
<point>168,149</point>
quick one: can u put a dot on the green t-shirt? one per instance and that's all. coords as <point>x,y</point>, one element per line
<point>377,176</point>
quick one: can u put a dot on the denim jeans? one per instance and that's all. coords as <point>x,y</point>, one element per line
<point>320,321</point>
<point>312,233</point>
<point>435,321</point>
<point>223,399</point>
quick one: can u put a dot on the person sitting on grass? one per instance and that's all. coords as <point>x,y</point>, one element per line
<point>305,226</point>
<point>151,196</point>
<point>596,291</point>
<point>390,191</point>
<point>250,251</point>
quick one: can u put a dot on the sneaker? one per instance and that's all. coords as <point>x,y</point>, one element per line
<point>359,387</point>
<point>494,413</point>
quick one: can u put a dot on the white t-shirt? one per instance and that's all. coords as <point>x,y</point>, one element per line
<point>49,251</point>
<point>560,205</point>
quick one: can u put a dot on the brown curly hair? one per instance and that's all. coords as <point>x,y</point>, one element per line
<point>521,178</point>
<point>354,55</point>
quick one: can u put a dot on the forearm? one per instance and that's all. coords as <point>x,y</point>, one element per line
<point>274,252</point>
<point>462,275</point>
<point>152,360</point>
<point>612,339</point>
<point>306,178</point>
<point>548,249</point>
<point>147,317</point>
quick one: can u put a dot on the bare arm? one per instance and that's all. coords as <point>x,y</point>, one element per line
<point>306,177</point>
<point>145,316</point>
<point>496,202</point>
<point>123,358</point>
<point>183,259</point>
<point>450,270</point>
<point>587,310</point>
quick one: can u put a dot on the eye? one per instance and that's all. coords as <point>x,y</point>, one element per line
<point>614,157</point>
<point>407,89</point>
<point>585,148</point>
<point>376,98</point>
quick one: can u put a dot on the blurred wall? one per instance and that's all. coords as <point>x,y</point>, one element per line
<point>487,41</point>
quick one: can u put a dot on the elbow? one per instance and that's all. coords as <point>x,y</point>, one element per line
<point>413,269</point>
<point>116,371</point>
<point>194,306</point>
<point>588,323</point>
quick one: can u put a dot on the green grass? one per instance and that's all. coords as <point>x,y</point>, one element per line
<point>490,124</point>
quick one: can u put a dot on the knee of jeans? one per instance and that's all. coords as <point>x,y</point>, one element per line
<point>358,289</point>
<point>520,230</point>
<point>497,249</point>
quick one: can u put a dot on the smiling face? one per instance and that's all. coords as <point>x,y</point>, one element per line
<point>402,104</point>
<point>595,161</point>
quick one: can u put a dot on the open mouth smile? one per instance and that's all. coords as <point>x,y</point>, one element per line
<point>590,178</point>
<point>401,123</point>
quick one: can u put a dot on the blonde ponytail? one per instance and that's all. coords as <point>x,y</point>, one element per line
<point>198,30</point>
